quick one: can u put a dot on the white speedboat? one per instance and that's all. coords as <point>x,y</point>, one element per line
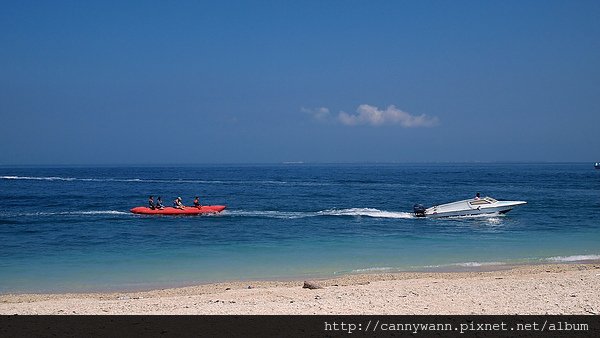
<point>476,206</point>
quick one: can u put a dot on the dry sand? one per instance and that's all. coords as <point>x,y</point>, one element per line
<point>532,289</point>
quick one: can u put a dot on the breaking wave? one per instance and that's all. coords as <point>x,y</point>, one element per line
<point>465,265</point>
<point>440,267</point>
<point>574,258</point>
<point>474,265</point>
<point>374,269</point>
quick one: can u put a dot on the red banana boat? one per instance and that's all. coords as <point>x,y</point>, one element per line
<point>205,209</point>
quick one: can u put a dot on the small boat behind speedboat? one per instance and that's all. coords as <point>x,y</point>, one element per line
<point>485,205</point>
<point>205,209</point>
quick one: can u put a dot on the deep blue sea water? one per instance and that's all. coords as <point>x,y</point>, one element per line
<point>69,229</point>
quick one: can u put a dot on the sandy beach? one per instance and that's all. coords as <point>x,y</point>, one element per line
<point>531,289</point>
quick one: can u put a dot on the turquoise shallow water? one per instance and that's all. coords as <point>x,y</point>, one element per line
<point>69,229</point>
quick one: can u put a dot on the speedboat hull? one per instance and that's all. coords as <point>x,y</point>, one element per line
<point>469,207</point>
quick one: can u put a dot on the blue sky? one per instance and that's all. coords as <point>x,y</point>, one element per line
<point>162,82</point>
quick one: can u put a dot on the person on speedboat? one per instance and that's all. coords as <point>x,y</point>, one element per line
<point>151,204</point>
<point>477,197</point>
<point>159,204</point>
<point>197,202</point>
<point>178,204</point>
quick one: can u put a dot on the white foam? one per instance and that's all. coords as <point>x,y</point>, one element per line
<point>51,178</point>
<point>477,264</point>
<point>100,212</point>
<point>370,212</point>
<point>492,216</point>
<point>69,179</point>
<point>268,214</point>
<point>493,220</point>
<point>450,265</point>
<point>385,268</point>
<point>466,264</point>
<point>91,212</point>
<point>330,212</point>
<point>574,258</point>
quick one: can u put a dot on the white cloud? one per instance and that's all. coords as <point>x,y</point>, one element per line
<point>320,113</point>
<point>371,115</point>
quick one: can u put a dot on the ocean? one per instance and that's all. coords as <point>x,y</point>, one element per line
<point>70,230</point>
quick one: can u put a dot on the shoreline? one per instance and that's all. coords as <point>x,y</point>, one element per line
<point>563,288</point>
<point>467,267</point>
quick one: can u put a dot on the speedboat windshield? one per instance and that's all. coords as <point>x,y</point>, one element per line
<point>483,201</point>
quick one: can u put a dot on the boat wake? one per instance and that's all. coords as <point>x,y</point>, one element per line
<point>69,179</point>
<point>157,180</point>
<point>492,219</point>
<point>486,216</point>
<point>369,212</point>
<point>98,212</point>
<point>70,213</point>
<point>267,214</point>
<point>353,212</point>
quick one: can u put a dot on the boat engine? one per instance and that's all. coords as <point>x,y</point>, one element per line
<point>419,210</point>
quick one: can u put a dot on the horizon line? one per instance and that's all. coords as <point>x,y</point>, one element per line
<point>283,163</point>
